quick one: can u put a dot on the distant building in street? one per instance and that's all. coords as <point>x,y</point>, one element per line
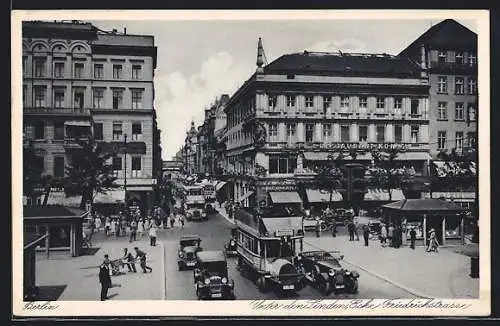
<point>79,79</point>
<point>292,113</point>
<point>448,51</point>
<point>191,150</point>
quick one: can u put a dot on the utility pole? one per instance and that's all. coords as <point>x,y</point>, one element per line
<point>125,156</point>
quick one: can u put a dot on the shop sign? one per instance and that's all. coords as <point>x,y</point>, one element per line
<point>283,233</point>
<point>366,146</point>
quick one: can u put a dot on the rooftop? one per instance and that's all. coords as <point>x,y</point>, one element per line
<point>51,211</point>
<point>425,205</point>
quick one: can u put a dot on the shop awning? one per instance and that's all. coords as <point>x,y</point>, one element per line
<point>383,195</point>
<point>245,196</point>
<point>277,226</point>
<point>322,196</point>
<point>77,123</point>
<point>219,185</point>
<point>110,197</point>
<point>60,198</point>
<point>413,156</point>
<point>424,205</point>
<point>324,156</point>
<point>285,197</point>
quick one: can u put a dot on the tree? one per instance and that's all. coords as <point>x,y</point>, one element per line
<point>89,172</point>
<point>457,171</point>
<point>330,176</point>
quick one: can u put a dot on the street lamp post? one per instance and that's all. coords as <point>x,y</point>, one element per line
<point>125,156</point>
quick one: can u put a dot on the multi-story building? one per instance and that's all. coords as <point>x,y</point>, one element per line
<point>219,134</point>
<point>190,150</point>
<point>79,79</point>
<point>449,52</point>
<point>291,114</point>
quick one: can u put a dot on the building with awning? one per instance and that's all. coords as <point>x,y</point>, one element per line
<point>380,194</point>
<point>285,197</point>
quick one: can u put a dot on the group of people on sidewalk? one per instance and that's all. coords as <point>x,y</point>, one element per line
<point>110,268</point>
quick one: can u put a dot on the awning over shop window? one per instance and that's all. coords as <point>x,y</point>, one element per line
<point>322,196</point>
<point>413,156</point>
<point>281,225</point>
<point>284,197</point>
<point>245,196</point>
<point>110,197</point>
<point>77,123</point>
<point>324,156</point>
<point>383,195</point>
<point>60,198</point>
<point>219,185</point>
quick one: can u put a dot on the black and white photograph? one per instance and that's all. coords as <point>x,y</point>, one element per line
<point>246,160</point>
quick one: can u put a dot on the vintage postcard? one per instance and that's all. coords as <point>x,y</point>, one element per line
<point>251,163</point>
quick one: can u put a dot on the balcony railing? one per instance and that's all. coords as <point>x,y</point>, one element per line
<point>57,111</point>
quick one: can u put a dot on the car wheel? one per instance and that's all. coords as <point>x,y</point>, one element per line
<point>180,267</point>
<point>325,288</point>
<point>262,284</point>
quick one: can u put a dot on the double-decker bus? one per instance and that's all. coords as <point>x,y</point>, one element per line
<point>268,241</point>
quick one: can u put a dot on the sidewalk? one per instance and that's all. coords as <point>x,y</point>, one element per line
<point>80,274</point>
<point>438,275</point>
<point>223,213</point>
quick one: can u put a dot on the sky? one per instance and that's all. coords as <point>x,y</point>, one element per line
<point>200,60</point>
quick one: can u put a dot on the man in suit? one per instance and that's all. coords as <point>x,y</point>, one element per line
<point>105,280</point>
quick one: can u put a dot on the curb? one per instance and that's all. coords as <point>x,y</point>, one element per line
<point>164,278</point>
<point>225,216</point>
<point>405,288</point>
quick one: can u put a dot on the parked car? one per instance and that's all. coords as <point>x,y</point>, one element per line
<point>189,245</point>
<point>211,277</point>
<point>323,271</point>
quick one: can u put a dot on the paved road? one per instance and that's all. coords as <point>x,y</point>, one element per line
<point>179,284</point>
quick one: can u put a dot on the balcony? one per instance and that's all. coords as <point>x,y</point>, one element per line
<point>83,112</point>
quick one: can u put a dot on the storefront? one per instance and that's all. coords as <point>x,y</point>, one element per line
<point>446,218</point>
<point>319,199</point>
<point>62,225</point>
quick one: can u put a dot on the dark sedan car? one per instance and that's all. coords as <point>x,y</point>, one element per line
<point>189,245</point>
<point>211,278</point>
<point>323,270</point>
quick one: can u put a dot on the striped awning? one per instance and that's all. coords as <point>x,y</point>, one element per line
<point>322,196</point>
<point>383,195</point>
<point>285,197</point>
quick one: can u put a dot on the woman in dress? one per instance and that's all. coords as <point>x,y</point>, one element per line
<point>433,243</point>
<point>140,227</point>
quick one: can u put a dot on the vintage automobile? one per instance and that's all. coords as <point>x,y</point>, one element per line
<point>230,247</point>
<point>211,277</point>
<point>310,224</point>
<point>189,245</point>
<point>323,271</point>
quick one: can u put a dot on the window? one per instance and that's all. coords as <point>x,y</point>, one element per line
<point>398,134</point>
<point>136,72</point>
<point>327,132</point>
<point>442,111</point>
<point>98,98</point>
<point>79,98</point>
<point>78,70</point>
<point>59,69</point>
<point>290,101</point>
<point>281,164</point>
<point>39,67</point>
<point>442,85</point>
<point>25,90</point>
<point>59,166</point>
<point>414,106</point>
<point>344,102</point>
<point>58,130</point>
<point>39,130</point>
<point>363,133</point>
<point>459,85</point>
<point>459,139</point>
<point>459,58</point>
<point>117,165</point>
<point>344,133</point>
<point>309,132</point>
<point>136,130</point>
<point>25,59</point>
<point>309,101</point>
<point>327,103</point>
<point>136,99</point>
<point>414,130</point>
<point>117,131</point>
<point>117,72</point>
<point>117,99</point>
<point>136,166</point>
<point>471,86</point>
<point>380,133</point>
<point>459,111</point>
<point>98,131</point>
<point>398,103</point>
<point>271,101</point>
<point>98,71</point>
<point>380,102</point>
<point>471,59</point>
<point>441,144</point>
<point>273,131</point>
<point>363,102</point>
<point>40,96</point>
<point>290,131</point>
<point>471,139</point>
<point>441,57</point>
<point>58,97</point>
<point>471,111</point>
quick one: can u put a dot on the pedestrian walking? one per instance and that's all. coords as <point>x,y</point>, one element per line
<point>172,221</point>
<point>433,243</point>
<point>152,236</point>
<point>133,231</point>
<point>350,229</point>
<point>334,229</point>
<point>147,223</point>
<point>413,237</point>
<point>366,234</point>
<point>318,228</point>
<point>140,228</point>
<point>383,235</point>
<point>129,260</point>
<point>181,220</point>
<point>105,280</point>
<point>355,230</point>
<point>141,255</point>
<point>397,237</point>
<point>98,223</point>
<point>107,227</point>
<point>390,235</point>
